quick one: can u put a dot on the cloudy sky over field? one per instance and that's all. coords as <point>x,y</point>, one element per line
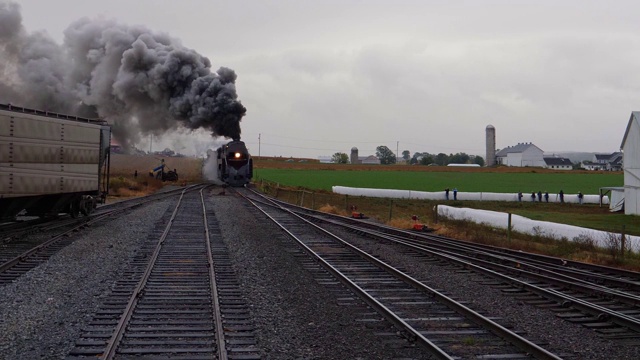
<point>319,77</point>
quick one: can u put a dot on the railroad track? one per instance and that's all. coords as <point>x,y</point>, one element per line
<point>19,255</point>
<point>600,298</point>
<point>15,230</point>
<point>180,299</point>
<point>447,328</point>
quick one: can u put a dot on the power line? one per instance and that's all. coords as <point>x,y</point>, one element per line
<point>418,147</point>
<point>326,141</point>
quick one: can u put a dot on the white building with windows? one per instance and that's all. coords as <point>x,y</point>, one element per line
<point>521,155</point>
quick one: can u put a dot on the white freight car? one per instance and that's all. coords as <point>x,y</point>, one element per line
<point>51,163</point>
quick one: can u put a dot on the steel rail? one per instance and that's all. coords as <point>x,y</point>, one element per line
<point>84,223</point>
<point>564,299</point>
<point>494,327</point>
<point>535,272</point>
<point>545,259</point>
<point>549,276</point>
<point>217,315</point>
<point>572,269</point>
<point>112,344</point>
<point>593,309</point>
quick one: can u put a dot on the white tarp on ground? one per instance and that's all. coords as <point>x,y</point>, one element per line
<point>543,228</point>
<point>440,195</point>
<point>499,219</point>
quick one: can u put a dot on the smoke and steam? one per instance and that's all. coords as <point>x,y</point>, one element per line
<point>141,82</point>
<point>210,168</point>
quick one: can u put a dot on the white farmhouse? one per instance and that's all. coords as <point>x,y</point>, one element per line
<point>521,155</point>
<point>631,165</point>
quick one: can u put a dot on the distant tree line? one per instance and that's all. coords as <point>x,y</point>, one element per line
<point>388,157</point>
<point>442,159</point>
<point>340,158</point>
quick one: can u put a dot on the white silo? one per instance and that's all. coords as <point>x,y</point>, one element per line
<point>491,145</point>
<point>354,155</point>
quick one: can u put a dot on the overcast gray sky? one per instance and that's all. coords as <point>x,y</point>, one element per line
<point>319,77</point>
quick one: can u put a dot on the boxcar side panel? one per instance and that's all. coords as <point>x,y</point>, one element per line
<point>41,155</point>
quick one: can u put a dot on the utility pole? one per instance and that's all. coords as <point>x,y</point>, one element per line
<point>259,145</point>
<point>397,151</point>
<point>150,144</point>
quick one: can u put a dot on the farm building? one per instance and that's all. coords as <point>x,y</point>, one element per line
<point>609,162</point>
<point>612,162</point>
<point>370,160</point>
<point>631,149</point>
<point>558,163</point>
<point>590,165</point>
<point>521,155</point>
<point>356,159</point>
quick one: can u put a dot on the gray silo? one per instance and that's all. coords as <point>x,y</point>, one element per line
<point>491,145</point>
<point>354,155</point>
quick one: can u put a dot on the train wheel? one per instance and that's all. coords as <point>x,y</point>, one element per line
<point>86,205</point>
<point>74,209</point>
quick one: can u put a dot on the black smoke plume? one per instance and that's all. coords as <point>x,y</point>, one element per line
<point>139,81</point>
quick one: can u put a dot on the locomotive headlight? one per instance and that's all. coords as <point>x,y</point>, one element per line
<point>237,155</point>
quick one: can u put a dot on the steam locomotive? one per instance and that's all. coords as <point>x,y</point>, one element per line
<point>235,166</point>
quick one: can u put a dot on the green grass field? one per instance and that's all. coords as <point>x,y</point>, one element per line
<point>590,216</point>
<point>526,182</point>
<point>397,212</point>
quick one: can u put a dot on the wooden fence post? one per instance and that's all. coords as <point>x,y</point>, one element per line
<point>435,214</point>
<point>509,229</point>
<point>622,241</point>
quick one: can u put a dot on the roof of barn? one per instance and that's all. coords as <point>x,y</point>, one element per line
<point>516,149</point>
<point>557,161</point>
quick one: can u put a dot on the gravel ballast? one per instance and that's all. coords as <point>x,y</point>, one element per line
<point>297,313</point>
<point>295,316</point>
<point>42,312</point>
<point>539,324</point>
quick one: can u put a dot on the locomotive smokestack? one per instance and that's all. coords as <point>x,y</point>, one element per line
<point>140,81</point>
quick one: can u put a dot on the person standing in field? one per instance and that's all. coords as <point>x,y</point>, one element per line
<point>533,197</point>
<point>455,193</point>
<point>561,193</point>
<point>546,196</point>
<point>520,196</point>
<point>446,193</point>
<point>580,196</point>
<point>539,196</point>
